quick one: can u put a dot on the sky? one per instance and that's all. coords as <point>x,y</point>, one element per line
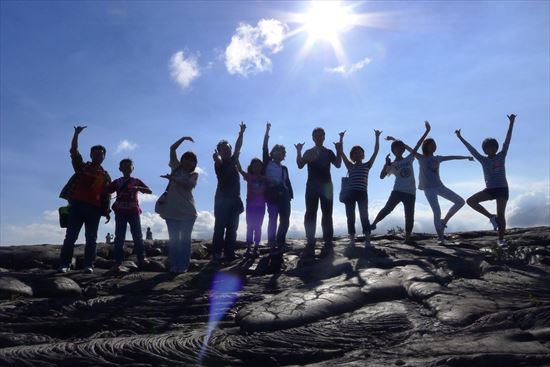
<point>143,74</point>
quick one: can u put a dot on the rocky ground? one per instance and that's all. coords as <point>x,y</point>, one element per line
<point>466,303</point>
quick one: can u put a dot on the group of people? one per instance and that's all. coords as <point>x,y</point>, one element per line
<point>269,186</point>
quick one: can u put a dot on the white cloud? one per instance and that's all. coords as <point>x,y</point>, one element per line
<point>201,171</point>
<point>346,71</point>
<point>184,70</point>
<point>147,198</point>
<point>125,146</point>
<point>250,47</point>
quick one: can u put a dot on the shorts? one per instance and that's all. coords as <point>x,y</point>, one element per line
<point>497,192</point>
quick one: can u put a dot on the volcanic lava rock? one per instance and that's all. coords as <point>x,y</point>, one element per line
<point>467,303</point>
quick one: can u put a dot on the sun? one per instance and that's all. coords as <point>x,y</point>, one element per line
<point>325,20</point>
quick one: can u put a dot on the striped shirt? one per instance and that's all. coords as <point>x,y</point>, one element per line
<point>359,176</point>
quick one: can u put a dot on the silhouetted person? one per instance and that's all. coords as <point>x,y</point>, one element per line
<point>278,196</point>
<point>149,234</point>
<point>227,201</point>
<point>430,183</point>
<point>404,188</point>
<point>108,238</point>
<point>255,204</point>
<point>177,206</point>
<point>318,189</point>
<point>358,173</point>
<point>127,211</point>
<point>86,191</point>
<point>494,173</point>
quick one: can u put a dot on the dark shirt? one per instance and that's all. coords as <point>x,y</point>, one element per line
<point>318,169</point>
<point>228,178</point>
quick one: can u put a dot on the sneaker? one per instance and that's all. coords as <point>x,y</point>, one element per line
<point>352,241</point>
<point>494,222</point>
<point>326,251</point>
<point>501,243</point>
<point>63,269</point>
<point>308,253</point>
<point>88,270</point>
<point>441,241</point>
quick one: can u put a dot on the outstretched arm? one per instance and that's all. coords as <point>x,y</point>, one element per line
<point>300,161</point>
<point>408,148</point>
<point>428,128</point>
<point>340,151</point>
<point>376,147</point>
<point>470,148</point>
<point>174,147</point>
<point>456,157</point>
<point>512,119</point>
<point>239,142</point>
<point>337,159</point>
<point>386,167</point>
<point>265,146</point>
<point>74,141</point>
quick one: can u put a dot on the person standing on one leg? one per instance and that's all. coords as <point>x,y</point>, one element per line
<point>227,202</point>
<point>495,179</point>
<point>358,173</point>
<point>87,194</point>
<point>430,182</point>
<point>278,196</point>
<point>127,211</point>
<point>177,206</point>
<point>318,189</point>
<point>404,188</point>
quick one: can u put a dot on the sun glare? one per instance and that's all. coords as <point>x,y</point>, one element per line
<point>325,19</point>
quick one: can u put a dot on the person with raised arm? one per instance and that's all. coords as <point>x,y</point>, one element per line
<point>177,206</point>
<point>404,187</point>
<point>319,189</point>
<point>255,204</point>
<point>227,201</point>
<point>494,172</point>
<point>358,173</point>
<point>127,212</point>
<point>430,183</point>
<point>278,196</point>
<point>87,194</point>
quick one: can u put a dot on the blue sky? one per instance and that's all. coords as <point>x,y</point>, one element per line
<point>143,74</point>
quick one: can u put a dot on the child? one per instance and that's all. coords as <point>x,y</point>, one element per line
<point>430,182</point>
<point>255,204</point>
<point>127,211</point>
<point>358,173</point>
<point>177,206</point>
<point>404,188</point>
<point>495,179</point>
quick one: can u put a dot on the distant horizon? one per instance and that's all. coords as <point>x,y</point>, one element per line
<point>141,75</point>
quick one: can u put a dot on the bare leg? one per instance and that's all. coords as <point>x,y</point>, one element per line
<point>453,197</point>
<point>501,217</point>
<point>474,201</point>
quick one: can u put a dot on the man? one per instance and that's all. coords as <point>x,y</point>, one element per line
<point>318,189</point>
<point>86,191</point>
<point>227,202</point>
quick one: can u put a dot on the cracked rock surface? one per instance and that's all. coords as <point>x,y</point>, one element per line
<point>466,303</point>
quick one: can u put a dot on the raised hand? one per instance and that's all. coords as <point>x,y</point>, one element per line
<point>216,155</point>
<point>341,134</point>
<point>511,117</point>
<point>388,160</point>
<point>390,138</point>
<point>268,126</point>
<point>377,133</point>
<point>79,129</point>
<point>428,126</point>
<point>187,138</point>
<point>299,146</point>
<point>242,126</point>
<point>457,132</point>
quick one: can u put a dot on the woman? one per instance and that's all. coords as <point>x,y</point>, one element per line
<point>177,206</point>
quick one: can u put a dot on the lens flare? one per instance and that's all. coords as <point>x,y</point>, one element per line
<point>223,294</point>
